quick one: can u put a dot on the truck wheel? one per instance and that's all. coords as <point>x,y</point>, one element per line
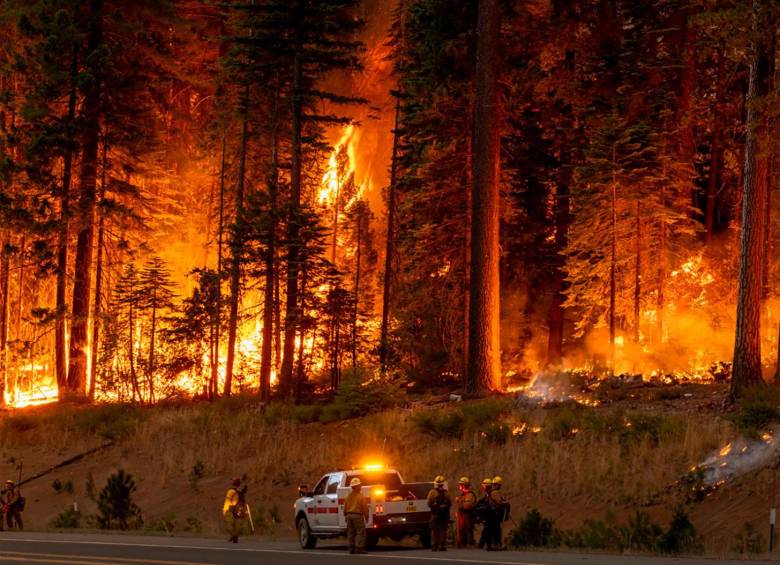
<point>305,537</point>
<point>372,540</point>
<point>425,539</point>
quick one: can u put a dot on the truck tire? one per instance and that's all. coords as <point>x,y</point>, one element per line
<point>425,539</point>
<point>305,537</point>
<point>372,540</point>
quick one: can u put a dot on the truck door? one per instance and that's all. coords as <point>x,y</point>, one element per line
<point>313,506</point>
<point>328,507</point>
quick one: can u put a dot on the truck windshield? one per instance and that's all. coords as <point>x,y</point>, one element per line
<point>390,480</point>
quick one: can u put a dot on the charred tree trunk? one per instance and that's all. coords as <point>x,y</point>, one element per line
<point>716,152</point>
<point>747,343</point>
<point>237,244</point>
<point>60,335</point>
<point>97,306</point>
<point>484,355</point>
<point>293,226</point>
<point>387,278</point>
<point>82,281</point>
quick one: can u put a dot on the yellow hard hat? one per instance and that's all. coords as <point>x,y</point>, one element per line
<point>439,480</point>
<point>355,482</point>
<point>486,482</point>
<point>497,480</point>
<point>9,482</point>
<point>464,481</point>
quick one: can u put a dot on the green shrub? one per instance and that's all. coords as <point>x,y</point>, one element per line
<point>115,505</point>
<point>641,533</point>
<point>756,412</point>
<point>56,484</point>
<point>534,530</point>
<point>441,423</point>
<point>70,518</point>
<point>749,541</point>
<point>19,423</point>
<point>109,421</point>
<point>193,524</point>
<point>681,537</point>
<point>598,534</point>
<point>360,394</point>
<point>197,472</point>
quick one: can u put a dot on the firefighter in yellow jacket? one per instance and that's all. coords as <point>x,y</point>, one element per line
<point>439,502</point>
<point>465,502</point>
<point>356,513</point>
<point>231,510</point>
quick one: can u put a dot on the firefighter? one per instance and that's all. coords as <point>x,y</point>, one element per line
<point>233,510</point>
<point>13,504</point>
<point>500,511</point>
<point>356,513</point>
<point>485,514</point>
<point>439,502</point>
<point>466,501</point>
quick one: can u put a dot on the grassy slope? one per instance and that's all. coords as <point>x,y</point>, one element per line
<point>583,464</point>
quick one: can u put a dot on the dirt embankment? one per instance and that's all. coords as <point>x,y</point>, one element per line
<point>573,463</point>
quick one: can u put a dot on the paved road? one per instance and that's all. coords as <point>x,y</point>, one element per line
<point>97,549</point>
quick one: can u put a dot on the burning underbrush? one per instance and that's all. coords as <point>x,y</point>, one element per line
<point>589,388</point>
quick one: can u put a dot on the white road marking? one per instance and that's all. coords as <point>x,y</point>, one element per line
<point>260,550</point>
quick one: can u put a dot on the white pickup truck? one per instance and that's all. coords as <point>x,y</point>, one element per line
<point>395,509</point>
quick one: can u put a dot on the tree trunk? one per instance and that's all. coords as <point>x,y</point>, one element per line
<point>716,151</point>
<point>96,307</point>
<point>747,343</point>
<point>357,288</point>
<point>637,275</point>
<point>293,228</point>
<point>5,275</point>
<point>387,278</point>
<point>768,153</point>
<point>217,314</point>
<point>687,88</point>
<point>150,369</point>
<point>300,369</point>
<point>484,355</point>
<point>82,280</point>
<point>60,336</point>
<point>562,219</point>
<point>237,244</point>
<point>613,264</point>
<point>133,376</point>
<point>270,264</point>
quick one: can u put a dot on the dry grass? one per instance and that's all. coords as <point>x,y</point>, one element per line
<point>607,465</point>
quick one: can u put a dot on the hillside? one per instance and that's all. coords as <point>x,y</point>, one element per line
<point>573,463</point>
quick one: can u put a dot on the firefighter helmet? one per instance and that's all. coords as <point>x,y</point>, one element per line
<point>439,481</point>
<point>355,482</point>
<point>464,481</point>
<point>487,482</point>
<point>497,480</point>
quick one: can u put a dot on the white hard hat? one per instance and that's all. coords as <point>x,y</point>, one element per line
<point>354,482</point>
